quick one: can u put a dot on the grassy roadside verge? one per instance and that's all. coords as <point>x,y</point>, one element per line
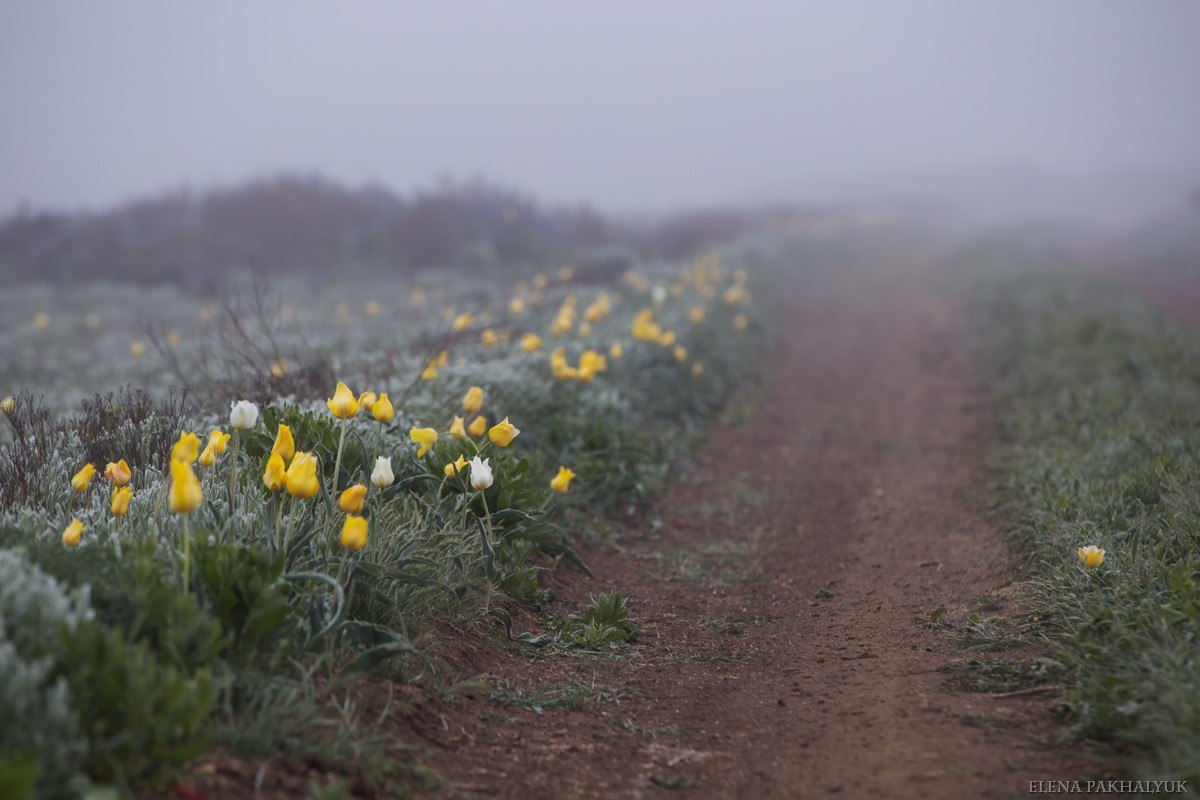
<point>1099,407</point>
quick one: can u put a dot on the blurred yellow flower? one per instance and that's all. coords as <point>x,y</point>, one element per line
<point>372,308</point>
<point>489,338</point>
<point>531,342</point>
<point>185,494</point>
<point>697,369</point>
<point>1091,556</point>
<point>430,372</point>
<point>354,533</point>
<point>120,500</point>
<point>565,274</point>
<point>366,401</point>
<point>425,437</point>
<point>275,475</point>
<point>41,320</point>
<point>461,322</point>
<point>516,306</point>
<point>174,339</point>
<point>342,405</point>
<point>540,282</point>
<point>301,479</point>
<point>207,456</point>
<point>667,339</point>
<point>187,449</point>
<point>218,441</point>
<point>352,498</point>
<point>680,353</point>
<point>8,404</point>
<point>478,427</point>
<point>137,349</point>
<point>502,433</point>
<point>119,473</point>
<point>696,314</point>
<point>455,466</point>
<point>82,479</point>
<point>562,481</point>
<point>457,428</point>
<point>740,322</point>
<point>473,400</point>
<point>616,352</point>
<point>71,534</point>
<point>382,410</point>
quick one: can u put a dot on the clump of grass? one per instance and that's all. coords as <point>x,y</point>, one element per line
<point>1101,445</point>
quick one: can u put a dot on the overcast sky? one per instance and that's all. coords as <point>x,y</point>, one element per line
<point>632,105</point>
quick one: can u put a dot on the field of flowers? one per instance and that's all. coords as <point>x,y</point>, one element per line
<point>339,466</point>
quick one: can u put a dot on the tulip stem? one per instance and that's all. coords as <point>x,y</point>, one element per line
<point>233,465</point>
<point>187,554</point>
<point>338,458</point>
<point>278,509</point>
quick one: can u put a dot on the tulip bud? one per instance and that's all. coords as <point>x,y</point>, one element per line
<point>382,475</point>
<point>352,498</point>
<point>185,494</point>
<point>1091,556</point>
<point>354,533</point>
<point>382,409</point>
<point>342,405</point>
<point>454,467</point>
<point>366,401</point>
<point>119,473</point>
<point>82,479</point>
<point>275,475</point>
<point>285,445</point>
<point>481,474</point>
<point>218,441</point>
<point>503,433</point>
<point>120,500</point>
<point>457,429</point>
<point>301,479</point>
<point>242,415</point>
<point>531,342</point>
<point>562,481</point>
<point>473,400</point>
<point>71,534</point>
<point>208,457</point>
<point>478,427</point>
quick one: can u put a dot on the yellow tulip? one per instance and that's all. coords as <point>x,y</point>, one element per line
<point>119,473</point>
<point>503,433</point>
<point>516,306</point>
<point>457,430</point>
<point>301,479</point>
<point>185,494</point>
<point>430,372</point>
<point>425,437</point>
<point>275,475</point>
<point>120,500</point>
<point>207,456</point>
<point>187,449</point>
<point>352,498</point>
<point>354,533</point>
<point>617,351</point>
<point>473,400</point>
<point>562,481</point>
<point>137,349</point>
<point>489,338</point>
<point>285,445</point>
<point>698,369</point>
<point>478,427</point>
<point>218,441</point>
<point>461,322</point>
<point>667,338</point>
<point>8,404</point>
<point>531,342</point>
<point>382,409</point>
<point>1091,556</point>
<point>455,466</point>
<point>342,405</point>
<point>366,401</point>
<point>443,358</point>
<point>696,314</point>
<point>82,479</point>
<point>680,353</point>
<point>71,534</point>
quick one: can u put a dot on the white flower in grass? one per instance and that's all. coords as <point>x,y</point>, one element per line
<point>243,414</point>
<point>481,473</point>
<point>382,476</point>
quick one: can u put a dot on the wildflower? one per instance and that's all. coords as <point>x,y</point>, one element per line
<point>218,441</point>
<point>430,372</point>
<point>461,322</point>
<point>280,368</point>
<point>531,342</point>
<point>503,433</point>
<point>342,405</point>
<point>473,400</point>
<point>617,351</point>
<point>585,329</point>
<point>489,337</point>
<point>382,475</point>
<point>242,415</point>
<point>1091,556</point>
<point>8,404</point>
<point>478,427</point>
<point>120,500</point>
<point>425,437</point>
<point>352,498</point>
<point>481,473</point>
<point>562,481</point>
<point>185,494</point>
<point>285,445</point>
<point>680,353</point>
<point>697,368</point>
<point>740,322</point>
<point>454,467</point>
<point>71,534</point>
<point>382,409</point>
<point>207,456</point>
<point>187,449</point>
<point>301,479</point>
<point>667,339</point>
<point>516,306</point>
<point>354,533</point>
<point>696,314</point>
<point>82,479</point>
<point>119,473</point>
<point>275,475</point>
<point>137,349</point>
<point>366,401</point>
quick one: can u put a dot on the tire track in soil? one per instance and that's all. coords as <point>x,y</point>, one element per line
<point>782,652</point>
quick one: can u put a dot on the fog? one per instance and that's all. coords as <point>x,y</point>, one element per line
<point>633,106</point>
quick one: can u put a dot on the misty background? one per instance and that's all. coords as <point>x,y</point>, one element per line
<point>634,107</point>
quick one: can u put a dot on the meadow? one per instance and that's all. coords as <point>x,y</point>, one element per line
<point>219,511</point>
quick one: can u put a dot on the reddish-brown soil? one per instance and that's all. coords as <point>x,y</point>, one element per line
<point>786,649</point>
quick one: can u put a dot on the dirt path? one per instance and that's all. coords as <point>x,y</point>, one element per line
<point>783,652</point>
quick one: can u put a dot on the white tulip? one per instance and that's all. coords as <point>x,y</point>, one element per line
<point>243,414</point>
<point>382,475</point>
<point>481,473</point>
